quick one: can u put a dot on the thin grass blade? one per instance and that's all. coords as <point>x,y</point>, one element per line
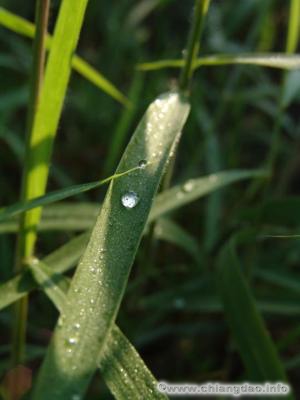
<point>23,27</point>
<point>271,60</point>
<point>57,195</point>
<point>254,343</point>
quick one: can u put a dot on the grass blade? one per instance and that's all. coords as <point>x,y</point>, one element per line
<point>106,263</point>
<point>168,230</point>
<point>192,189</point>
<point>271,60</point>
<point>70,216</point>
<point>122,368</point>
<point>124,371</point>
<point>54,196</point>
<point>25,28</point>
<point>253,340</point>
<point>15,289</point>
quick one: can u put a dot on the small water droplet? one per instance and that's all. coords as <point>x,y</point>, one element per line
<point>188,186</point>
<point>130,199</point>
<point>71,341</point>
<point>76,397</point>
<point>77,325</point>
<point>179,303</point>
<point>92,301</point>
<point>142,164</point>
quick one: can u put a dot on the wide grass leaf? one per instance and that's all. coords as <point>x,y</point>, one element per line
<point>99,283</point>
<point>123,370</point>
<point>23,27</point>
<point>254,343</point>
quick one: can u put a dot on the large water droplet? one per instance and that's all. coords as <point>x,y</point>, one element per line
<point>130,199</point>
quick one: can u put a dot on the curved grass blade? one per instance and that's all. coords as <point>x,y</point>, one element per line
<point>247,326</point>
<point>192,189</point>
<point>23,27</point>
<point>16,288</point>
<point>78,217</point>
<point>168,230</point>
<point>57,195</point>
<point>106,263</point>
<point>122,368</point>
<point>271,60</point>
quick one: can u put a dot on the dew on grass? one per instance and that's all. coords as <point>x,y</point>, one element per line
<point>129,199</point>
<point>188,186</point>
<point>142,164</point>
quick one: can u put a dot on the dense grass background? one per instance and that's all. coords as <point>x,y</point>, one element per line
<point>171,310</point>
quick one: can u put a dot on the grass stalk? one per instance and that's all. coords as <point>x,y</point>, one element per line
<point>200,11</point>
<point>27,235</point>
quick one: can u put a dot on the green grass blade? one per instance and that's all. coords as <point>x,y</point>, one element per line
<point>251,336</point>
<point>46,119</point>
<point>123,125</point>
<point>124,371</point>
<point>192,189</point>
<point>70,216</point>
<point>15,289</point>
<point>106,263</point>
<point>271,60</point>
<point>57,195</point>
<point>122,368</point>
<point>293,27</point>
<point>59,261</point>
<point>23,27</point>
<point>168,230</point>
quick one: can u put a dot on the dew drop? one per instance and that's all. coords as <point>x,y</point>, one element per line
<point>129,199</point>
<point>76,397</point>
<point>76,325</point>
<point>188,186</point>
<point>142,164</point>
<point>71,341</point>
<point>179,303</point>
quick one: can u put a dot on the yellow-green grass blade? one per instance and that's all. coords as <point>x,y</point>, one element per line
<point>107,260</point>
<point>54,196</point>
<point>45,123</point>
<point>254,343</point>
<point>293,27</point>
<point>271,60</point>
<point>23,27</point>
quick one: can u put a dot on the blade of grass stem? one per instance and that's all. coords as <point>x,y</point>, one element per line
<point>254,342</point>
<point>23,27</point>
<point>57,195</point>
<point>24,249</point>
<point>271,60</point>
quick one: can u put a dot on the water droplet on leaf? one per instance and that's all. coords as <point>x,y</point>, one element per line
<point>142,164</point>
<point>130,199</point>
